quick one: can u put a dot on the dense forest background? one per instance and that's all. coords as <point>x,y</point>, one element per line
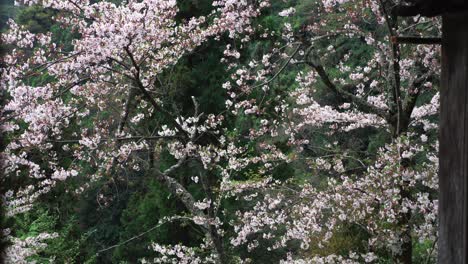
<point>115,219</point>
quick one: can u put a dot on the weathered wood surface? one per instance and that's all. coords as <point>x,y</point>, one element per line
<point>453,175</point>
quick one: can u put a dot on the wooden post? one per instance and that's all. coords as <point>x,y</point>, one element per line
<point>453,157</point>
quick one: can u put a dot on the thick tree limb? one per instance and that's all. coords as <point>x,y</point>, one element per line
<point>392,25</point>
<point>120,63</point>
<point>362,104</point>
<point>410,100</point>
<point>177,189</point>
<point>126,111</point>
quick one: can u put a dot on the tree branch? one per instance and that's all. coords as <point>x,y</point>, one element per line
<point>410,100</point>
<point>142,234</point>
<point>149,97</point>
<point>280,70</point>
<point>126,112</point>
<point>66,141</point>
<point>71,86</point>
<point>177,189</point>
<point>362,104</point>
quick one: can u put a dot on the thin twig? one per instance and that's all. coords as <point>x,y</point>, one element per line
<point>280,70</point>
<point>65,141</point>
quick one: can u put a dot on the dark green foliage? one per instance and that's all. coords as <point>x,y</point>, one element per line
<point>36,19</point>
<point>145,208</point>
<point>68,247</point>
<point>7,11</point>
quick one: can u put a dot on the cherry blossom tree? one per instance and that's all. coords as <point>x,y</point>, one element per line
<point>110,78</point>
<point>381,92</point>
<point>119,54</point>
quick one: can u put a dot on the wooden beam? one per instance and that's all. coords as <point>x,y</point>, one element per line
<point>453,156</point>
<point>416,40</point>
<point>430,8</point>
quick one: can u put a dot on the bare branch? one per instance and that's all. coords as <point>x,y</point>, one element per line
<point>142,234</point>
